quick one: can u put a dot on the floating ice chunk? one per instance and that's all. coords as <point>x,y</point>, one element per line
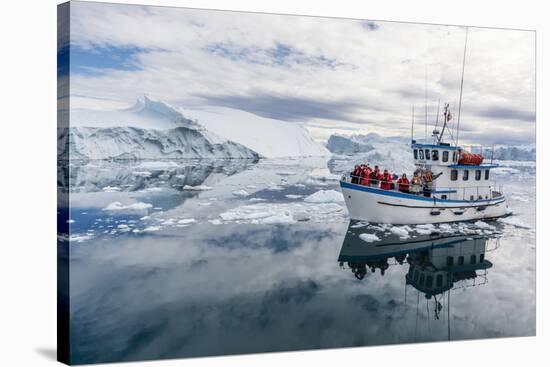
<point>483,225</point>
<point>145,217</point>
<point>256,199</point>
<point>359,225</point>
<point>205,203</point>
<point>111,189</point>
<point>187,221</point>
<point>152,229</point>
<point>369,237</point>
<point>80,237</point>
<point>444,227</point>
<point>292,196</point>
<point>251,186</point>
<point>425,228</point>
<point>275,188</point>
<point>401,231</point>
<point>117,206</point>
<point>70,221</point>
<point>142,173</point>
<point>240,193</point>
<point>215,221</point>
<point>299,185</point>
<point>169,222</point>
<point>514,221</point>
<point>196,188</point>
<point>271,213</point>
<point>325,196</point>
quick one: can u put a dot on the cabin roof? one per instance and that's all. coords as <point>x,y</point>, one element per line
<point>439,146</point>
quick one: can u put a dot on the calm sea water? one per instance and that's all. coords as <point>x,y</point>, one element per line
<point>160,269</point>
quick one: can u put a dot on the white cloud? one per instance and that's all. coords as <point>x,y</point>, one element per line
<point>366,77</point>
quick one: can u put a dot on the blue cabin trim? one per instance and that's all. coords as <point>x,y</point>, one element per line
<point>410,196</point>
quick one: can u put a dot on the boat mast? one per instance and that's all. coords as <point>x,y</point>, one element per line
<point>412,125</point>
<point>461,86</point>
<point>426,104</point>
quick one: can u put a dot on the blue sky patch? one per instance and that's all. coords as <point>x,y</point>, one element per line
<point>99,59</point>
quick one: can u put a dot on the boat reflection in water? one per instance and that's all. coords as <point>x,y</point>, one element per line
<point>438,263</point>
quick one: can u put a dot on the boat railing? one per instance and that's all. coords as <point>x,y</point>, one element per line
<point>490,190</point>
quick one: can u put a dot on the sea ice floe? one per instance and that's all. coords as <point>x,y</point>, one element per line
<point>70,221</point>
<point>196,188</point>
<point>292,196</point>
<point>325,196</point>
<point>187,221</point>
<point>117,206</point>
<point>215,221</point>
<point>80,237</point>
<point>401,231</point>
<point>240,193</point>
<point>514,221</point>
<point>142,173</point>
<point>483,225</point>
<point>152,229</point>
<point>425,228</point>
<point>369,237</point>
<point>275,188</point>
<point>111,189</point>
<point>359,225</point>
<point>271,213</point>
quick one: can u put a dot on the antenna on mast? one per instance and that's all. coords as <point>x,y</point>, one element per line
<point>412,125</point>
<point>426,104</point>
<point>461,86</point>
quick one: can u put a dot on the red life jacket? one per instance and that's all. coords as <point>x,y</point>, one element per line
<point>403,184</point>
<point>386,182</point>
<point>365,176</point>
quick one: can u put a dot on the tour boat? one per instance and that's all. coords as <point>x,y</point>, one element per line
<point>463,191</point>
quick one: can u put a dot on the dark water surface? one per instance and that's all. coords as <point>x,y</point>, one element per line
<point>141,289</point>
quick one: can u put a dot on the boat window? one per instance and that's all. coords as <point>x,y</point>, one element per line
<point>443,197</point>
<point>454,156</point>
<point>421,154</point>
<point>478,174</point>
<point>465,175</point>
<point>454,175</point>
<point>427,154</point>
<point>486,174</point>
<point>445,156</point>
<point>461,260</point>
<point>473,259</point>
<point>481,258</point>
<point>450,260</point>
<point>439,280</point>
<point>435,155</point>
<point>429,281</point>
<point>415,152</point>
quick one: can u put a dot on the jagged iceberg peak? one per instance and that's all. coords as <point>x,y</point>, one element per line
<point>147,106</point>
<point>146,113</point>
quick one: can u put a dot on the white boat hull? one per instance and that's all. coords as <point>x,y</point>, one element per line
<point>375,205</point>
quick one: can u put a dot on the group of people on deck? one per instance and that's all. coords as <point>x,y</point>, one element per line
<point>363,174</point>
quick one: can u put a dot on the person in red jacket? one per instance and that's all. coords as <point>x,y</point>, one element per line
<point>403,183</point>
<point>385,182</point>
<point>355,175</point>
<point>375,176</point>
<point>366,175</point>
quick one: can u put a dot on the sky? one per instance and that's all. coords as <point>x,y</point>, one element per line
<point>331,75</point>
